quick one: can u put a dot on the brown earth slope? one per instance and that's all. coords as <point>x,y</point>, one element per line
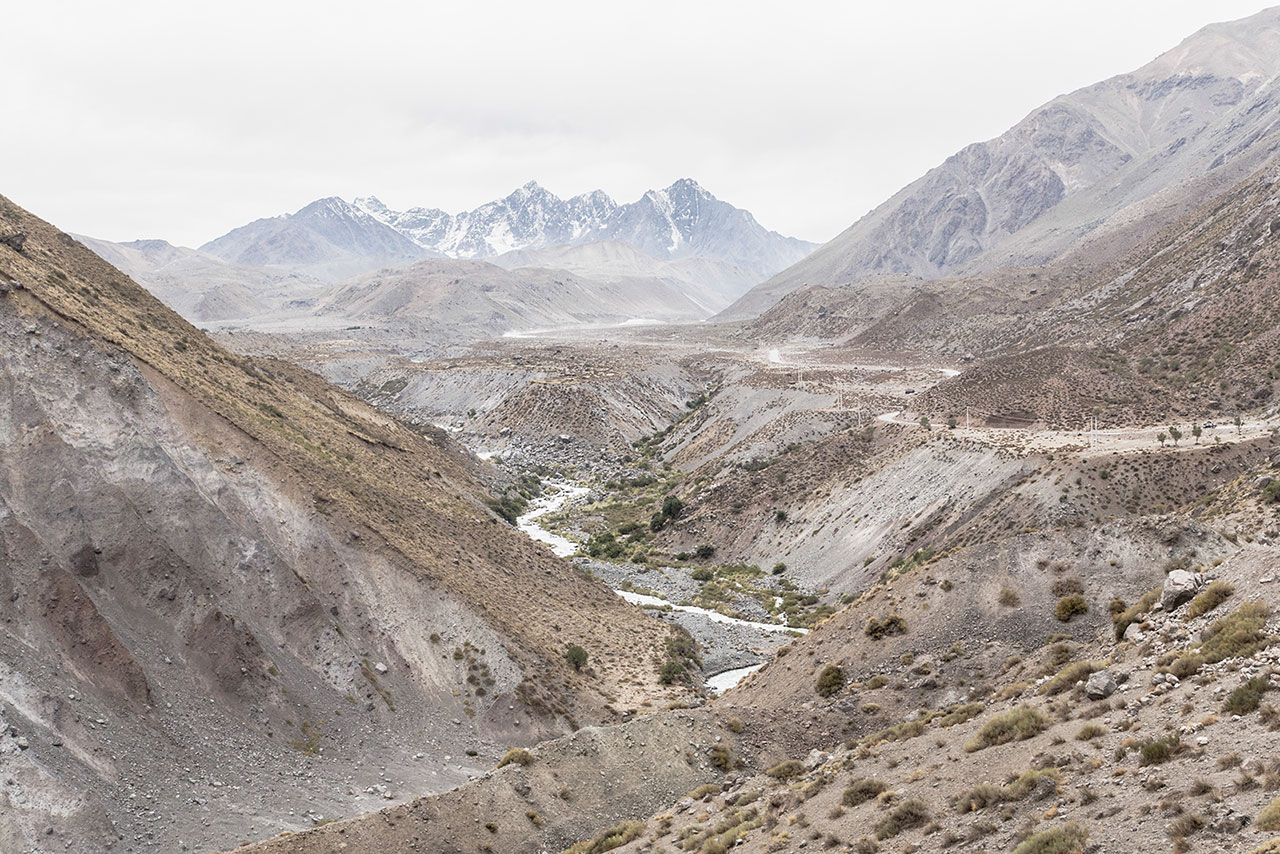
<point>223,574</point>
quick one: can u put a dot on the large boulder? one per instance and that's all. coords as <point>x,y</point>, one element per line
<point>1179,586</point>
<point>1100,686</point>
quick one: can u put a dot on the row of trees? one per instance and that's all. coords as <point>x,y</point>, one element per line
<point>1196,430</point>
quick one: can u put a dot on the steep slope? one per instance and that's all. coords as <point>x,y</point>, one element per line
<point>202,287</point>
<point>328,239</point>
<point>1105,164</point>
<point>1185,326</point>
<point>231,568</point>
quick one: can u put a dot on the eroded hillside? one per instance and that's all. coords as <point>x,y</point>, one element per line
<point>228,566</point>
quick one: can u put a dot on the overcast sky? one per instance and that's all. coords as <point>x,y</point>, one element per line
<point>184,120</point>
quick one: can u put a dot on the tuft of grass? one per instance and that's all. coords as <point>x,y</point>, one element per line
<point>614,837</point>
<point>959,714</point>
<point>1068,676</point>
<point>861,791</point>
<point>1156,751</point>
<point>897,732</point>
<point>1209,598</point>
<point>1238,635</point>
<point>1063,839</point>
<point>1089,732</point>
<point>1008,597</point>
<point>906,815</point>
<point>785,770</point>
<point>516,756</point>
<point>1017,724</point>
<point>1269,818</point>
<point>984,795</point>
<point>1069,607</point>
<point>1248,697</point>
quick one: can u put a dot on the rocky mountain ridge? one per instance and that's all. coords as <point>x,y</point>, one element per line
<point>1092,170</point>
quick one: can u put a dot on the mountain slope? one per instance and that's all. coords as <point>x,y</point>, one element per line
<point>681,221</point>
<point>202,287</point>
<point>449,298</point>
<point>328,239</point>
<point>1124,156</point>
<point>231,567</point>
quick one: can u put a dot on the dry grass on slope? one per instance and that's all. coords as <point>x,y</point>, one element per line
<point>408,492</point>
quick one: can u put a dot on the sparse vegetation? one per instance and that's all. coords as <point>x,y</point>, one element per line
<point>830,681</point>
<point>1017,724</point>
<point>1063,839</point>
<point>904,816</point>
<point>1248,697</point>
<point>1070,606</point>
<point>862,790</point>
<point>890,625</point>
<point>1269,817</point>
<point>576,656</point>
<point>614,837</point>
<point>785,770</point>
<point>516,756</point>
<point>1209,598</point>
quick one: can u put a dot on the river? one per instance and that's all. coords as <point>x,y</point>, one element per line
<point>558,493</point>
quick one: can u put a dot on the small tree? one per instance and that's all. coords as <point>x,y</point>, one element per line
<point>1239,422</point>
<point>1175,434</point>
<point>951,422</point>
<point>1160,437</point>
<point>576,656</point>
<point>1197,430</point>
<point>924,421</point>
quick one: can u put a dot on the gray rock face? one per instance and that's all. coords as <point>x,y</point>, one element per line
<point>1202,113</point>
<point>1179,586</point>
<point>1133,633</point>
<point>1100,685</point>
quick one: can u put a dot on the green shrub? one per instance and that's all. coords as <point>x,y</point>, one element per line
<point>1248,696</point>
<point>1157,751</point>
<point>1209,598</point>
<point>1017,724</point>
<point>702,574</point>
<point>1063,839</point>
<point>1239,634</point>
<point>516,756</point>
<point>705,551</point>
<point>785,770</point>
<point>830,681</point>
<point>1070,606</point>
<point>576,656</point>
<point>1089,732</point>
<point>861,791</point>
<point>906,815</point>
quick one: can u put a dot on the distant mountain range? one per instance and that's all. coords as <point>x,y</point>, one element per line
<point>333,239</point>
<point>1088,172</point>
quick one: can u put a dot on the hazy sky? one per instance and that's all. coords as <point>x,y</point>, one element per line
<point>183,120</point>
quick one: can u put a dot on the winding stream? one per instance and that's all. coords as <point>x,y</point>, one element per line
<point>558,494</point>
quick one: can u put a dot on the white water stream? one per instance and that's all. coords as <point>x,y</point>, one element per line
<point>557,495</point>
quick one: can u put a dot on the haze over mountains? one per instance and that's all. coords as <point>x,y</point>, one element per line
<point>674,254</point>
<point>1085,170</point>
